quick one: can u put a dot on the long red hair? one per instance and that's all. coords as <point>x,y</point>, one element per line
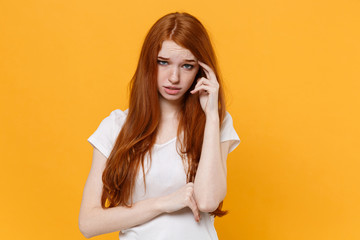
<point>138,134</point>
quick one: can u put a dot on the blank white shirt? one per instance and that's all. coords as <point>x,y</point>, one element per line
<point>164,175</point>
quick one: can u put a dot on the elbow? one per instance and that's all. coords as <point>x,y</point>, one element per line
<point>84,229</point>
<point>210,204</point>
<point>208,207</point>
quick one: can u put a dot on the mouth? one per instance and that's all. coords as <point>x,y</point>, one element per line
<point>171,90</point>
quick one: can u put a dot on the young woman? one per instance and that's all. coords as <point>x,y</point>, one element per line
<point>159,167</point>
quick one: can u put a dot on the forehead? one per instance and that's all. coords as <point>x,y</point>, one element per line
<point>171,49</point>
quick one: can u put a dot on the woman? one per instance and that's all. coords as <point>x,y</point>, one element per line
<point>159,167</point>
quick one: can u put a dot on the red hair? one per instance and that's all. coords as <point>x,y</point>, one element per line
<point>138,134</point>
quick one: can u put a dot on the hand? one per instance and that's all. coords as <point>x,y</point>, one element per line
<point>208,89</point>
<point>184,197</point>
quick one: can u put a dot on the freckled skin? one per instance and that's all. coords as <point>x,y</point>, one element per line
<point>175,71</point>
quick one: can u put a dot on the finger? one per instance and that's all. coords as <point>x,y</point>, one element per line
<point>202,81</point>
<point>208,71</point>
<point>201,89</point>
<point>194,208</point>
<point>205,67</point>
<point>192,202</point>
<point>207,82</point>
<point>208,89</point>
<point>198,211</point>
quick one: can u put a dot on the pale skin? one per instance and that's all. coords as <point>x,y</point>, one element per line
<point>209,187</point>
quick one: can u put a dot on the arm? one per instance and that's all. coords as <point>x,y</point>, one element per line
<point>210,181</point>
<point>94,220</point>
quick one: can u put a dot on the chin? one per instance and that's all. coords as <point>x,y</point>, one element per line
<point>172,98</point>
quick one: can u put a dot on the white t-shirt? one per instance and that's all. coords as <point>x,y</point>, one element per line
<point>165,176</point>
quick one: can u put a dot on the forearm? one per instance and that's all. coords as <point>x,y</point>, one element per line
<point>96,221</point>
<point>210,180</point>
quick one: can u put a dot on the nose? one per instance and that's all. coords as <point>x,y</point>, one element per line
<point>174,75</point>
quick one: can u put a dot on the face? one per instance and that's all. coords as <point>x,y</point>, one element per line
<point>177,68</point>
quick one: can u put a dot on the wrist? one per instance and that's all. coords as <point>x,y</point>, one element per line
<point>159,204</point>
<point>213,117</point>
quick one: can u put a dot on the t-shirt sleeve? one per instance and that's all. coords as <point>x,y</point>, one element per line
<point>228,132</point>
<point>105,135</point>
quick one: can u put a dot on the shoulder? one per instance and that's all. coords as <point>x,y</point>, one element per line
<point>118,114</point>
<point>117,117</point>
<point>105,135</point>
<point>112,123</point>
<point>227,115</point>
<point>228,132</point>
<point>228,120</point>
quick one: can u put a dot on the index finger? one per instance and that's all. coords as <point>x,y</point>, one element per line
<point>194,209</point>
<point>208,71</point>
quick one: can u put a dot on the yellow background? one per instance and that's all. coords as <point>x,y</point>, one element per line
<point>292,77</point>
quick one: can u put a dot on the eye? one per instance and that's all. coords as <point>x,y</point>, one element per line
<point>188,66</point>
<point>160,62</point>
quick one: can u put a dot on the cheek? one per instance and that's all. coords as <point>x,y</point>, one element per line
<point>190,79</point>
<point>192,76</point>
<point>160,76</point>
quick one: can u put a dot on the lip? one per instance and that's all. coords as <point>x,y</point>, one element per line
<point>171,90</point>
<point>171,87</point>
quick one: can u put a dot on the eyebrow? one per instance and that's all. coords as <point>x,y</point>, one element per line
<point>186,60</point>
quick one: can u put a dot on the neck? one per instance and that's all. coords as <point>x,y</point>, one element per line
<point>169,109</point>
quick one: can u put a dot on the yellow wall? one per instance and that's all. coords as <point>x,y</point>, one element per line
<point>292,76</point>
